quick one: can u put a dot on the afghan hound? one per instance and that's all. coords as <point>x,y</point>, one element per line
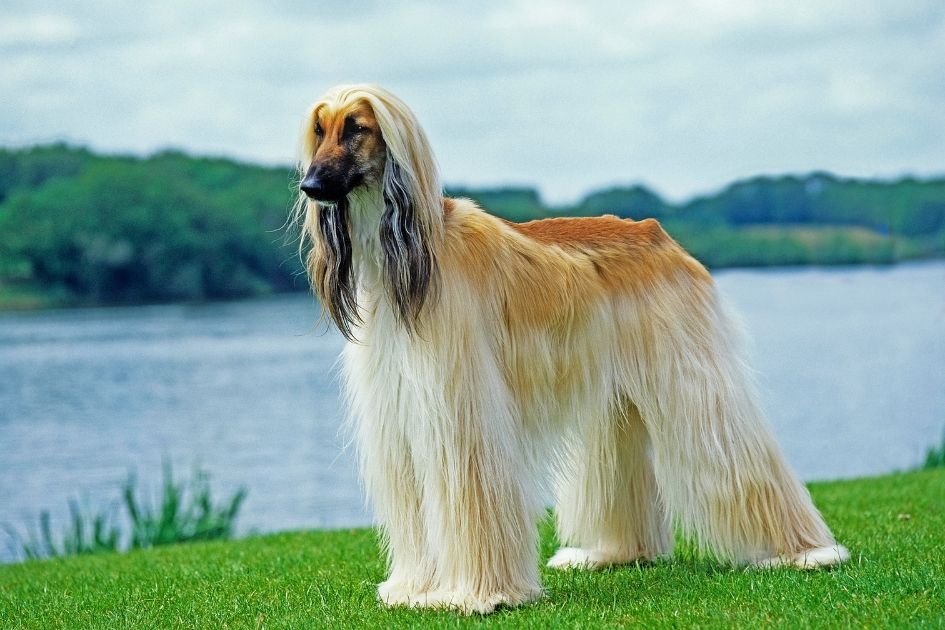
<point>483,354</point>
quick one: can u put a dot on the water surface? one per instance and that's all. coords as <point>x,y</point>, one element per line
<point>851,363</point>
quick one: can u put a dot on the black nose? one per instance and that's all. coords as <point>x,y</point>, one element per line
<point>311,186</point>
<point>320,185</point>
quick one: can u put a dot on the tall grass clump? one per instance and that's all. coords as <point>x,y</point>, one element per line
<point>935,456</point>
<point>184,511</point>
<point>85,533</point>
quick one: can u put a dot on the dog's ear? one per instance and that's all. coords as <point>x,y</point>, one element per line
<point>408,257</point>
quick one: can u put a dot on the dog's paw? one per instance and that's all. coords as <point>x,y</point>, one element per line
<point>395,592</point>
<point>470,603</point>
<point>818,558</point>
<point>589,559</point>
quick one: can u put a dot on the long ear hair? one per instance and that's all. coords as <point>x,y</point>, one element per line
<point>409,259</point>
<point>411,224</point>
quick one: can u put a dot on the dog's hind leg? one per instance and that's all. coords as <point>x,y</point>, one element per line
<point>717,464</point>
<point>607,506</point>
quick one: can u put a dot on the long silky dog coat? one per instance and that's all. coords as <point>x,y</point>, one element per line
<point>485,353</point>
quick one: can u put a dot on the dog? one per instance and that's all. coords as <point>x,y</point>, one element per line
<point>486,355</point>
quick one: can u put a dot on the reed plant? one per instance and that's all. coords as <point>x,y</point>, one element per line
<point>185,511</point>
<point>85,532</point>
<point>935,456</point>
<point>182,511</point>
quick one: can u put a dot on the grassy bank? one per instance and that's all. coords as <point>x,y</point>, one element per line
<point>894,527</point>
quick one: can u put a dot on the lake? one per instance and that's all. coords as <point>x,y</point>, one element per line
<point>851,363</point>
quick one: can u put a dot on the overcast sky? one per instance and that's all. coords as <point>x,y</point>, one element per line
<point>682,96</point>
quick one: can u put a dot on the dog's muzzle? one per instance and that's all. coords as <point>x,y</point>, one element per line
<point>321,184</point>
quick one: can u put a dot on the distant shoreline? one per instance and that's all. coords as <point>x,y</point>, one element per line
<point>39,305</point>
<point>79,228</point>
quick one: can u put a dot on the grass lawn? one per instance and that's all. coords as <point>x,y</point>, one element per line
<point>894,527</point>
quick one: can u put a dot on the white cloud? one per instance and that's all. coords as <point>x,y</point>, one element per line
<point>37,30</point>
<point>567,95</point>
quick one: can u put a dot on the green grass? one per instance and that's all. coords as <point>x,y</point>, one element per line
<point>894,527</point>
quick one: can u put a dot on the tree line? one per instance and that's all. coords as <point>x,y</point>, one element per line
<point>78,227</point>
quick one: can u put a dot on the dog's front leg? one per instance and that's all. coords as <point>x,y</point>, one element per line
<point>381,407</point>
<point>479,500</point>
<point>397,499</point>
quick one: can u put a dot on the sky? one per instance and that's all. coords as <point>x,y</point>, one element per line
<point>682,96</point>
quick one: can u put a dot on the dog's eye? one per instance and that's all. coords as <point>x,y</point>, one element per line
<point>352,128</point>
<point>318,130</point>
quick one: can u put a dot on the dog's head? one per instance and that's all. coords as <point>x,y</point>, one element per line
<point>346,149</point>
<point>361,138</point>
